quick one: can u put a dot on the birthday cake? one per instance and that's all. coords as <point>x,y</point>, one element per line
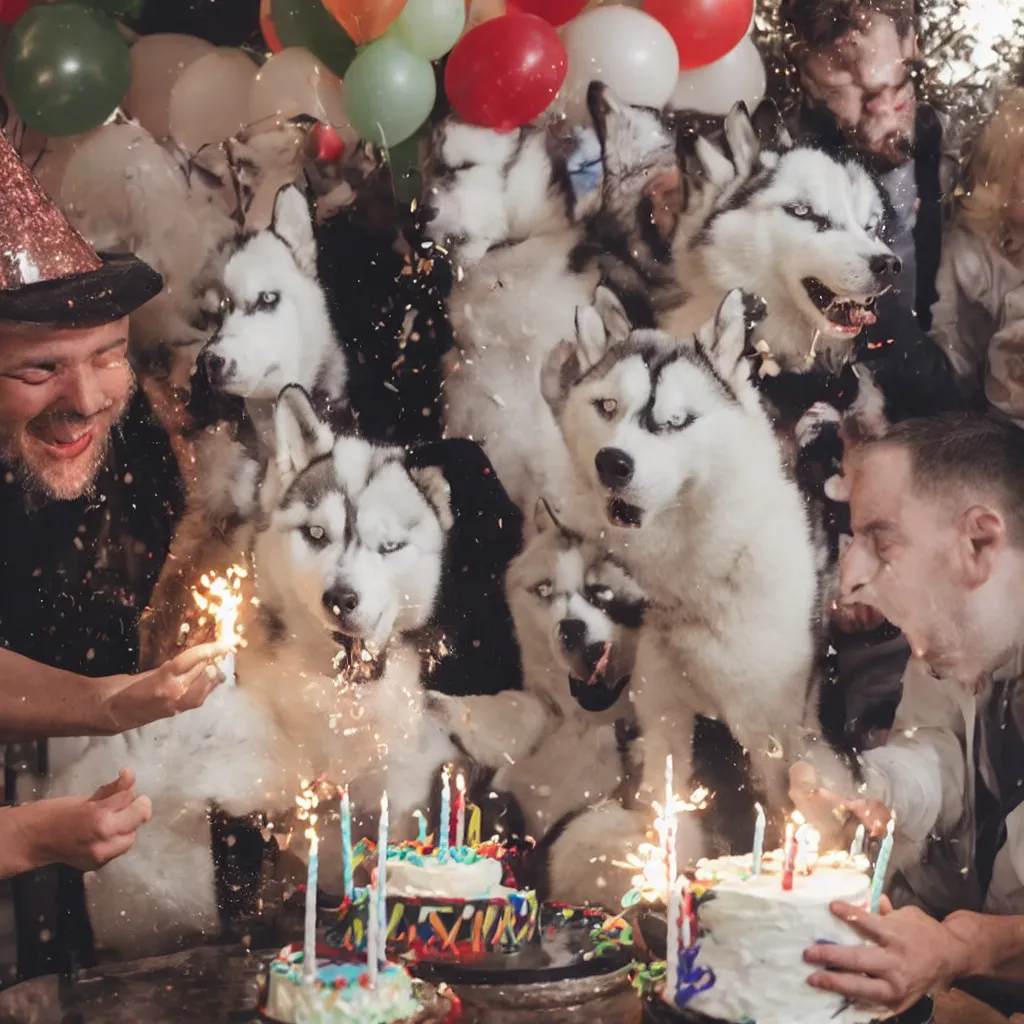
<point>345,993</point>
<point>454,905</point>
<point>742,958</point>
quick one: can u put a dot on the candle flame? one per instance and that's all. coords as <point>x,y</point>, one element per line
<point>221,599</point>
<point>460,782</point>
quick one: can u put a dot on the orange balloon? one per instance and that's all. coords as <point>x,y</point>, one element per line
<point>267,28</point>
<point>364,20</point>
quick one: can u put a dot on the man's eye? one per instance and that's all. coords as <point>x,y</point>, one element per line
<point>39,376</point>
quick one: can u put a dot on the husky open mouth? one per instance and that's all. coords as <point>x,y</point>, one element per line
<point>621,513</point>
<point>845,315</point>
<point>599,691</point>
<point>357,661</point>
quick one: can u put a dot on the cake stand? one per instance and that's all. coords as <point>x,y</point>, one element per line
<point>657,1012</point>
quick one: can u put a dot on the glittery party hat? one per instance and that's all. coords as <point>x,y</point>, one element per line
<point>49,273</point>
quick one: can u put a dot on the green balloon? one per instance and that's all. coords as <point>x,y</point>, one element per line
<point>308,23</point>
<point>67,68</point>
<point>389,92</point>
<point>429,27</point>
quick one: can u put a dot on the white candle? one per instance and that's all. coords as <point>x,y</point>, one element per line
<point>857,848</point>
<point>446,817</point>
<point>309,935</point>
<point>672,944</point>
<point>227,666</point>
<point>382,879</point>
<point>759,827</point>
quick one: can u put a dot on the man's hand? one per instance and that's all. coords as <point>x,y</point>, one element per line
<point>85,832</point>
<point>821,807</point>
<point>181,684</point>
<point>912,955</point>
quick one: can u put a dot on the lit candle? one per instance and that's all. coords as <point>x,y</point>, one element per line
<point>421,827</point>
<point>372,945</point>
<point>672,943</point>
<point>808,842</point>
<point>346,844</point>
<point>309,935</point>
<point>444,826</point>
<point>473,832</point>
<point>460,810</point>
<point>687,918</point>
<point>789,857</point>
<point>857,847</point>
<point>382,879</point>
<point>881,866</point>
<point>759,827</point>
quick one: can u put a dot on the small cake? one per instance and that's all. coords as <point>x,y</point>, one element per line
<point>746,962</point>
<point>456,908</point>
<point>342,993</point>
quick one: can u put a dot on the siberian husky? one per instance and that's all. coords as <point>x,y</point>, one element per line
<point>798,227</point>
<point>505,205</point>
<point>345,557</point>
<point>274,330</point>
<point>561,744</point>
<point>681,456</point>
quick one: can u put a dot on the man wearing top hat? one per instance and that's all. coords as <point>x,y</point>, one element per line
<point>89,493</point>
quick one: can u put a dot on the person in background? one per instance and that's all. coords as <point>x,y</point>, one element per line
<point>979,316</point>
<point>89,494</point>
<point>937,509</point>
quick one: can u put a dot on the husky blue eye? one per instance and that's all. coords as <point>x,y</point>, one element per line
<point>606,407</point>
<point>266,301</point>
<point>390,547</point>
<point>315,535</point>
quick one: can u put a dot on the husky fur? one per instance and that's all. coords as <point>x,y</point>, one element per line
<point>682,457</point>
<point>557,745</point>
<point>346,554</point>
<point>274,331</point>
<point>798,227</point>
<point>504,204</point>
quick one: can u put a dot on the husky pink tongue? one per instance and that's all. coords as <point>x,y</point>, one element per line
<point>862,317</point>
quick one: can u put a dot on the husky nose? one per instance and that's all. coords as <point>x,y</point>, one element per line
<point>882,266</point>
<point>214,366</point>
<point>573,634</point>
<point>341,601</point>
<point>614,468</point>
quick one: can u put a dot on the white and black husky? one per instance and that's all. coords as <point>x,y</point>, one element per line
<point>345,557</point>
<point>506,207</point>
<point>682,458</point>
<point>561,744</point>
<point>799,227</point>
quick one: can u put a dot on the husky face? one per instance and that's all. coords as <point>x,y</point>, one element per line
<point>800,228</point>
<point>356,539</point>
<point>645,414</point>
<point>274,329</point>
<point>575,601</point>
<point>483,189</point>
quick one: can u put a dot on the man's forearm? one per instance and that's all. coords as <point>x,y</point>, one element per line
<point>18,851</point>
<point>37,701</point>
<point>987,945</point>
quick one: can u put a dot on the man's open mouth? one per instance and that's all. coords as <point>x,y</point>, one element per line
<point>621,513</point>
<point>847,316</point>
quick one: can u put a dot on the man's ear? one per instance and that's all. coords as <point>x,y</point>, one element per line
<point>983,537</point>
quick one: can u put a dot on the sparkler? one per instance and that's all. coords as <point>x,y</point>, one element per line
<point>220,600</point>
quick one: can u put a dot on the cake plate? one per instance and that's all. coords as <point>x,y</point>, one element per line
<point>658,1012</point>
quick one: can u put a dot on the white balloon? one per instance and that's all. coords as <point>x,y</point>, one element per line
<point>716,88</point>
<point>627,50</point>
<point>210,100</point>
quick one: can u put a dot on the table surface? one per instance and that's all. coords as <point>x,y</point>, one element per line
<point>217,985</point>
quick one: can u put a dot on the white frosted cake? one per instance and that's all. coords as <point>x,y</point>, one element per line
<point>477,879</point>
<point>753,937</point>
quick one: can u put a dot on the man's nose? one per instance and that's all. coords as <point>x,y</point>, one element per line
<point>855,571</point>
<point>84,393</point>
<point>883,100</point>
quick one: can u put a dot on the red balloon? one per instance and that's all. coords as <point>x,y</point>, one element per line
<point>12,10</point>
<point>506,71</point>
<point>555,12</point>
<point>703,30</point>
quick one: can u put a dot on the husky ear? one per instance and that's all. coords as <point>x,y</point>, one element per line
<point>293,224</point>
<point>544,518</point>
<point>613,316</point>
<point>742,139</point>
<point>301,435</point>
<point>434,486</point>
<point>717,167</point>
<point>666,192</point>
<point>732,327</point>
<point>769,127</point>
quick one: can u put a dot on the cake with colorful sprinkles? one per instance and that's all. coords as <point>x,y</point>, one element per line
<point>740,937</point>
<point>346,993</point>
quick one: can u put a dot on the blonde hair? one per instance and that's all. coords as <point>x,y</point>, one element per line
<point>996,160</point>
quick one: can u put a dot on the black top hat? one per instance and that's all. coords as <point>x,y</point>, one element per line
<point>49,274</point>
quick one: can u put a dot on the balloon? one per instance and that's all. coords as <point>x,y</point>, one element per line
<point>505,72</point>
<point>210,101</point>
<point>267,29</point>
<point>66,68</point>
<point>307,23</point>
<point>556,12</point>
<point>294,82</point>
<point>429,27</point>
<point>364,20</point>
<point>157,63</point>
<point>12,10</point>
<point>703,30</point>
<point>739,75</point>
<point>389,92</point>
<point>627,50</point>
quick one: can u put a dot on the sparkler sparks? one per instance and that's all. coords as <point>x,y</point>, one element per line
<point>221,600</point>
